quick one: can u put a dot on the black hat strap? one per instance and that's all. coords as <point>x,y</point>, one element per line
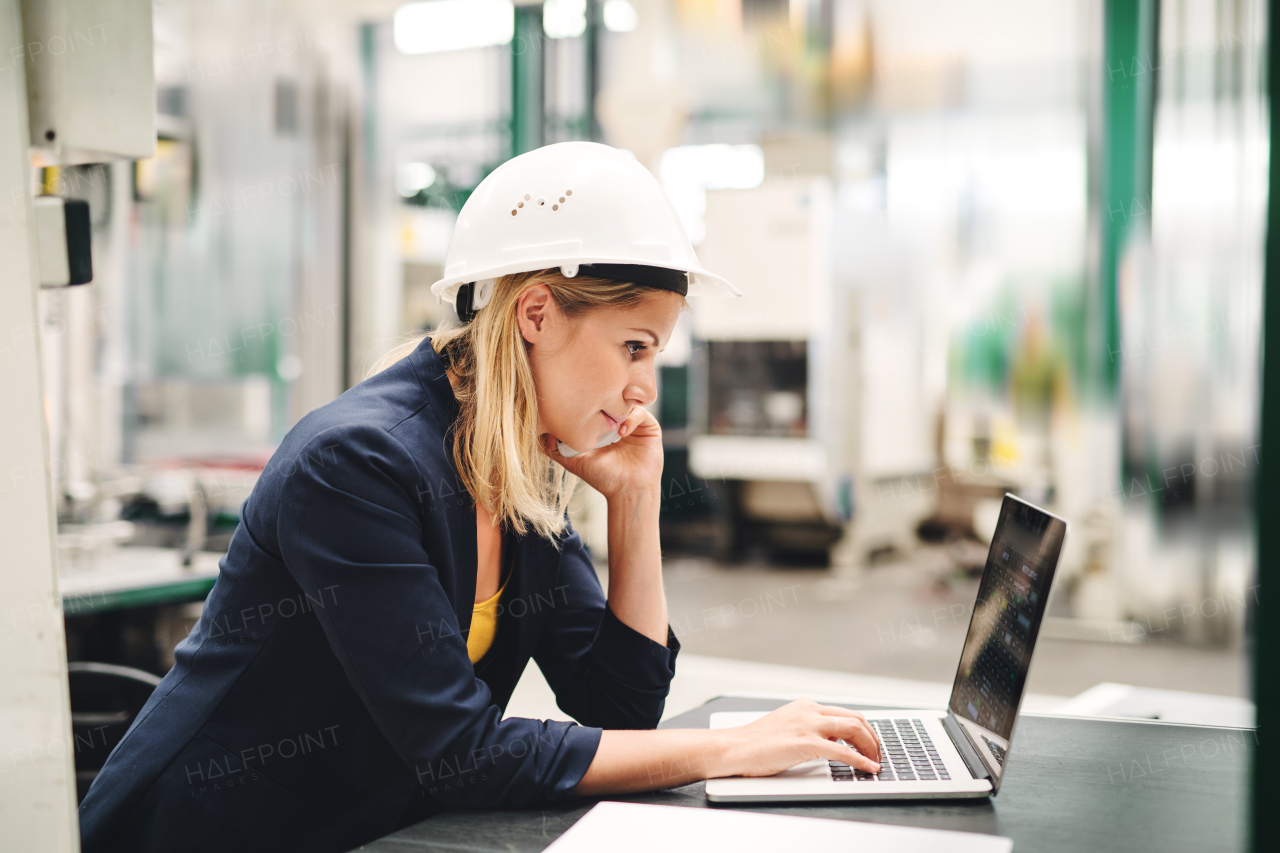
<point>677,281</point>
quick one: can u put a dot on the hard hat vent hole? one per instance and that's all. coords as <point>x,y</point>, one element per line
<point>541,202</point>
<point>519,204</point>
<point>568,192</point>
<point>562,199</point>
<point>555,207</point>
<point>526,196</point>
<point>513,213</point>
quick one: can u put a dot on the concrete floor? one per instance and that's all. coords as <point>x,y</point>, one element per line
<point>894,637</point>
<point>908,621</point>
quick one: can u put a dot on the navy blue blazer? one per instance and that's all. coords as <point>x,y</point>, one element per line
<point>325,698</point>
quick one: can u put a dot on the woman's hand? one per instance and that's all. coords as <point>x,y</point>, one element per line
<point>799,732</point>
<point>633,463</point>
<point>629,761</point>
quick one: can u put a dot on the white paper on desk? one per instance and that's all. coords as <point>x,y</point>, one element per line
<point>636,828</point>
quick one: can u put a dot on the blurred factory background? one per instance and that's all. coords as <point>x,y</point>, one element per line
<point>985,247</point>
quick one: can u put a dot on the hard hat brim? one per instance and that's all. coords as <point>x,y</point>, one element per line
<point>701,282</point>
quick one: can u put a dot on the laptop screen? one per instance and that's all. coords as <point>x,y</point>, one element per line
<point>1006,618</point>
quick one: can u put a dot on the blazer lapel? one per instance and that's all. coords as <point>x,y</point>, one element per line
<point>450,494</point>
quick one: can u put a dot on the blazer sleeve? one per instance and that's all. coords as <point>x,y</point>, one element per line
<point>352,525</point>
<point>603,672</point>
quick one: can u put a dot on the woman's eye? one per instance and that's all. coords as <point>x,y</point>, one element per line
<point>635,347</point>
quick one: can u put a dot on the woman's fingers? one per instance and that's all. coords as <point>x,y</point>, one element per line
<point>633,420</point>
<point>852,726</point>
<point>834,751</point>
<point>856,732</point>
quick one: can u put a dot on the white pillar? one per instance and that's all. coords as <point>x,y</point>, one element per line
<point>37,778</point>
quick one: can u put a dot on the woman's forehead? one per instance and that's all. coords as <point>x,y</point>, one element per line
<point>656,313</point>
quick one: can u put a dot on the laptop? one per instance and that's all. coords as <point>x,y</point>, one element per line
<point>959,752</point>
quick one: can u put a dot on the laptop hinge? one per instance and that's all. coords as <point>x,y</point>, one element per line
<point>965,748</point>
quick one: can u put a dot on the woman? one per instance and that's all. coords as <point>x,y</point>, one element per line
<point>407,551</point>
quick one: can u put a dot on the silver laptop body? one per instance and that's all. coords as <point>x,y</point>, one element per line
<point>961,751</point>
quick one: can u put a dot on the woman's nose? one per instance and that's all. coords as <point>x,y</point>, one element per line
<point>643,389</point>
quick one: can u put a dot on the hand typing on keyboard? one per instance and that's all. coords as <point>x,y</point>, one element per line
<point>908,755</point>
<point>802,731</point>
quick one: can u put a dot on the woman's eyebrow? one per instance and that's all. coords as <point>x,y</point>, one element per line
<point>647,332</point>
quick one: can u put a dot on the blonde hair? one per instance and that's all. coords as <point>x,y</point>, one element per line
<point>496,442</point>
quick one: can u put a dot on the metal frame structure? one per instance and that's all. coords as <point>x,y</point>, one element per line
<point>1265,818</point>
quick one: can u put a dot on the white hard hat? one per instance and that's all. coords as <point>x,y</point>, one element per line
<point>580,206</point>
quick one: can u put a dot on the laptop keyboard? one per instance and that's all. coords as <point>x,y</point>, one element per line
<point>996,750</point>
<point>906,755</point>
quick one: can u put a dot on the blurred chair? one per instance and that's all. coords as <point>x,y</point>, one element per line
<point>105,698</point>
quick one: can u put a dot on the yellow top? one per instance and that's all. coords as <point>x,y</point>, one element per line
<point>484,624</point>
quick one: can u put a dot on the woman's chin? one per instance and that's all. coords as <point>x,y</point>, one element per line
<point>581,442</point>
<point>585,437</point>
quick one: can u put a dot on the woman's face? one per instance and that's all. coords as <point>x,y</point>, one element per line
<point>592,370</point>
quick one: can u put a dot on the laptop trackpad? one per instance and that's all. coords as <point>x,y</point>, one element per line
<point>816,769</point>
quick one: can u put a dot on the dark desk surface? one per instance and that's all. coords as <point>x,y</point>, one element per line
<point>1071,784</point>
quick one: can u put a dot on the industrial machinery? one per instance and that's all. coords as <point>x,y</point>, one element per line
<point>769,392</point>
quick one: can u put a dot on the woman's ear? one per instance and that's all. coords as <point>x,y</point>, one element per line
<point>534,312</point>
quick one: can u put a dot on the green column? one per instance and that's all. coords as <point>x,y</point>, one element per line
<point>527,80</point>
<point>1130,66</point>
<point>1265,822</point>
<point>368,100</point>
<point>595,25</point>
